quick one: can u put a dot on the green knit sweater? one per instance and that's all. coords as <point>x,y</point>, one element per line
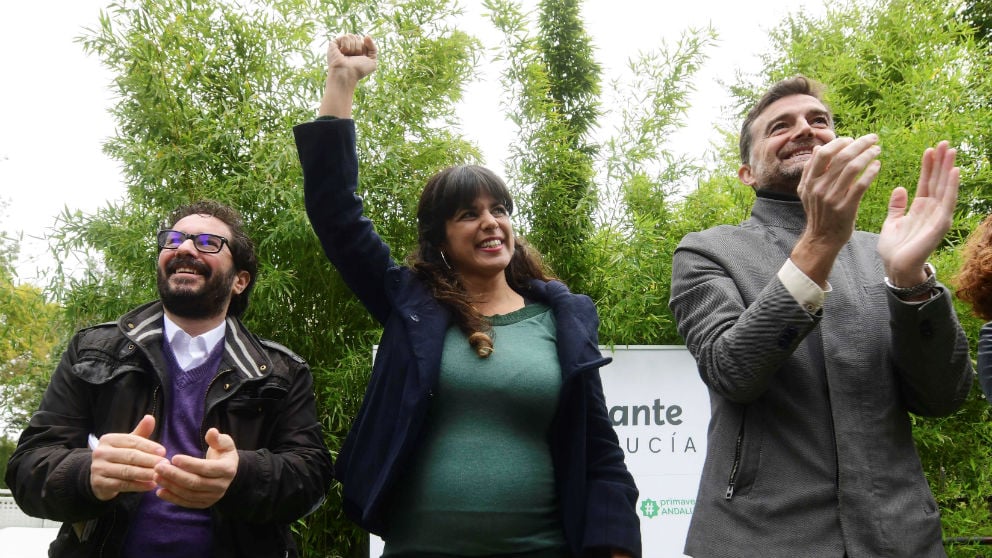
<point>482,481</point>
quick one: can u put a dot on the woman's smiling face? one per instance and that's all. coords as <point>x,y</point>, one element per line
<point>479,238</point>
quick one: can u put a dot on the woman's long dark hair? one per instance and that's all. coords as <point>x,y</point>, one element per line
<point>446,192</point>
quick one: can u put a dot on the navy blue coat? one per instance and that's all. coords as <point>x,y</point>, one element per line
<point>596,493</point>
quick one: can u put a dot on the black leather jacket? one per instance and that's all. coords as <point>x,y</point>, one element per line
<point>113,374</point>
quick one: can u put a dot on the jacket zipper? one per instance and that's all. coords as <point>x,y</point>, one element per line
<point>737,458</point>
<point>154,409</point>
<point>206,409</point>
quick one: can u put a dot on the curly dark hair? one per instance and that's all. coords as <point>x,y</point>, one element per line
<point>974,279</point>
<point>242,248</point>
<point>797,85</point>
<point>446,192</point>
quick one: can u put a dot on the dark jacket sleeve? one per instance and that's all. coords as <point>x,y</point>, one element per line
<point>609,520</point>
<point>290,475</point>
<point>930,354</point>
<point>49,470</point>
<point>611,513</point>
<point>330,181</point>
<point>985,360</point>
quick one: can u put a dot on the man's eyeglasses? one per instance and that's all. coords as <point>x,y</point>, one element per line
<point>204,242</point>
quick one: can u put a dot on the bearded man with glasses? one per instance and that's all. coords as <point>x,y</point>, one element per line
<point>175,431</point>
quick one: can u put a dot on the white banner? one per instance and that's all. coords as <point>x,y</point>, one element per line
<point>660,410</point>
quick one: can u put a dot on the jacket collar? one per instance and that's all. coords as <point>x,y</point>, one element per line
<point>577,325</point>
<point>786,213</point>
<point>575,316</point>
<point>144,326</point>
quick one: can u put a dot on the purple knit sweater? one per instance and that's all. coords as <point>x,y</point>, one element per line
<point>158,528</point>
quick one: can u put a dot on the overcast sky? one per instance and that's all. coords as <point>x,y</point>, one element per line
<point>55,99</point>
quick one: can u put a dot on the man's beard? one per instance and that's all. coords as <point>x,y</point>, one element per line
<point>188,302</point>
<point>785,181</point>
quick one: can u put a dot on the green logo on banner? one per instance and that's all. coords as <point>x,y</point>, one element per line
<point>649,508</point>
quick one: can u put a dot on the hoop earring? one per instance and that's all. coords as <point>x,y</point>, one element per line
<point>443,259</point>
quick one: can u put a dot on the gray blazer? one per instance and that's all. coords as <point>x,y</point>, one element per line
<point>810,449</point>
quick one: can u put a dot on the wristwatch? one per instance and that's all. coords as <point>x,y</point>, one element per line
<point>916,290</point>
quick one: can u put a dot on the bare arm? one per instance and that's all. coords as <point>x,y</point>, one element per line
<point>349,59</point>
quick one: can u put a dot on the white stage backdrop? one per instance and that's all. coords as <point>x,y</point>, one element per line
<point>660,410</point>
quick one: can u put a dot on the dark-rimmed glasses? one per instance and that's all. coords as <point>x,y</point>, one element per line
<point>204,242</point>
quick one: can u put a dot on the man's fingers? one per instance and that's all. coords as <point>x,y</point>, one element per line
<point>898,201</point>
<point>137,439</point>
<point>184,468</point>
<point>191,482</point>
<point>860,172</point>
<point>945,185</point>
<point>853,162</point>
<point>182,474</point>
<point>125,462</point>
<point>841,171</point>
<point>219,442</point>
<point>928,170</point>
<point>935,161</point>
<point>867,177</point>
<point>124,472</point>
<point>823,156</point>
<point>132,442</point>
<point>129,452</point>
<point>114,471</point>
<point>939,178</point>
<point>842,159</point>
<point>145,427</point>
<point>194,482</point>
<point>191,500</point>
<point>949,196</point>
<point>105,488</point>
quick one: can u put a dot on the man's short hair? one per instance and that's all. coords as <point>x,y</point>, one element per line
<point>242,248</point>
<point>798,85</point>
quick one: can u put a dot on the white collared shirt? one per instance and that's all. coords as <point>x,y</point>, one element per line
<point>807,293</point>
<point>192,351</point>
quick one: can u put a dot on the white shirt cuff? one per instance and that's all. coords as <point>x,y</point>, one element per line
<point>807,293</point>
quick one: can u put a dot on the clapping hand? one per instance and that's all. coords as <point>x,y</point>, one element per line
<point>199,483</point>
<point>126,462</point>
<point>909,237</point>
